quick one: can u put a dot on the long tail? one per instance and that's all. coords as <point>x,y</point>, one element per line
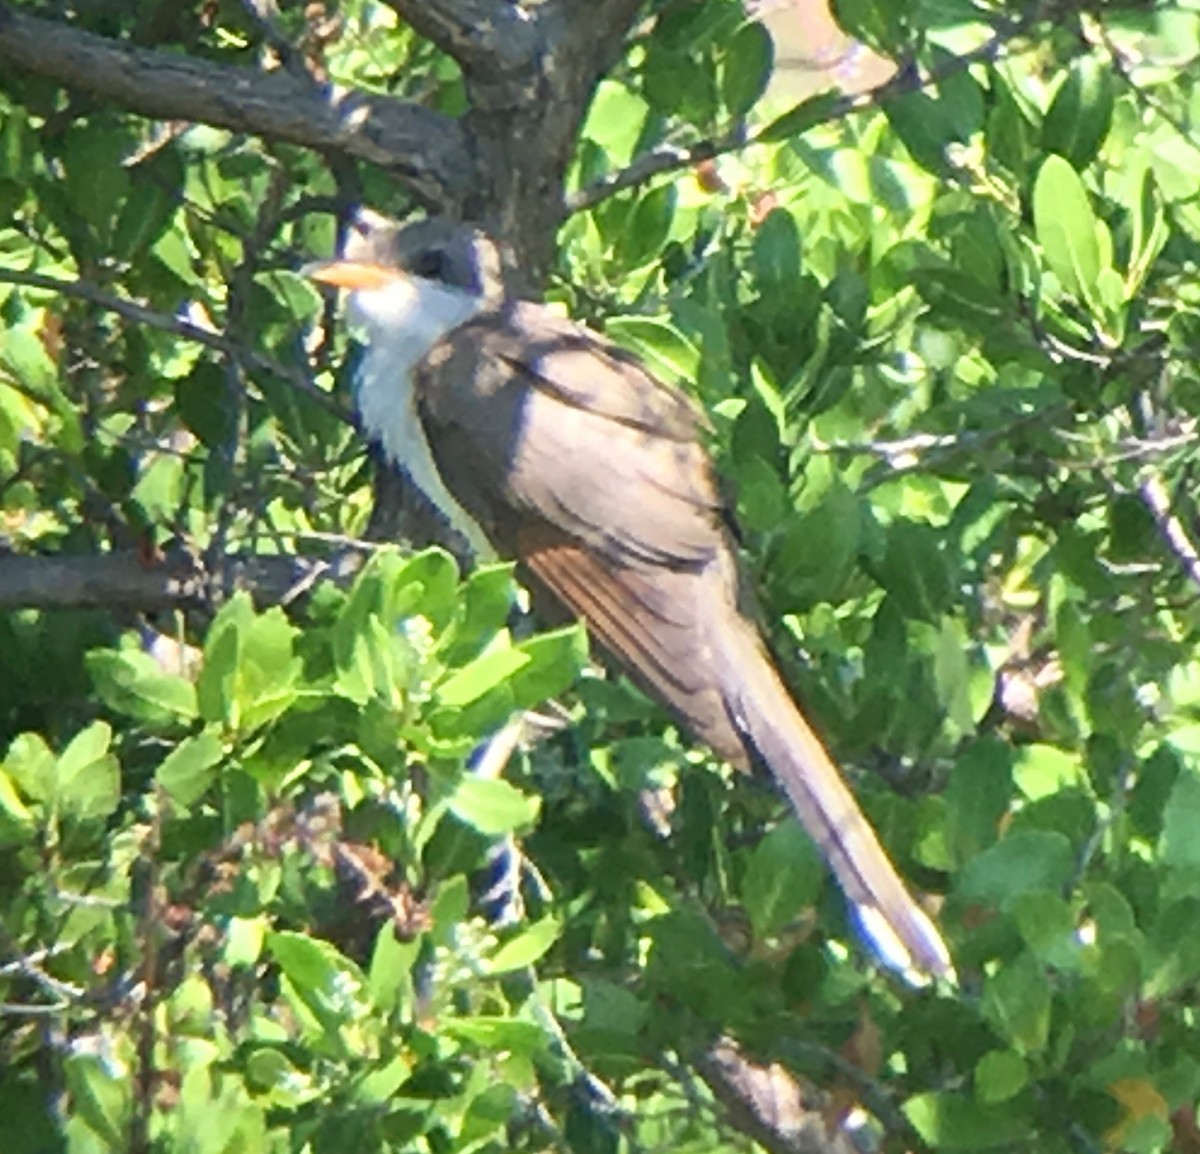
<point>763,711</point>
<point>678,633</point>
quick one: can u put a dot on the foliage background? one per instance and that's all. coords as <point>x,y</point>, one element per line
<point>944,312</point>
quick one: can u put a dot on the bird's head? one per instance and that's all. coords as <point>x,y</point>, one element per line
<point>413,282</point>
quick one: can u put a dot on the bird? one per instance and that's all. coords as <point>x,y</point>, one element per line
<point>540,441</point>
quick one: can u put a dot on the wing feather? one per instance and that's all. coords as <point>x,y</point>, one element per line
<point>520,406</point>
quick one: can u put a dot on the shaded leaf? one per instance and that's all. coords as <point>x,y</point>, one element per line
<point>492,806</point>
<point>191,767</point>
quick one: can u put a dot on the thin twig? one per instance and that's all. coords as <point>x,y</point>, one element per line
<point>483,36</point>
<point>1157,500</point>
<point>141,314</point>
<point>665,158</point>
<point>265,15</point>
<point>672,158</point>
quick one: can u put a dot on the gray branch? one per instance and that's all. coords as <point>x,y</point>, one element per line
<point>1157,500</point>
<point>424,149</point>
<point>766,1103</point>
<point>131,581</point>
<point>495,37</point>
<point>141,314</point>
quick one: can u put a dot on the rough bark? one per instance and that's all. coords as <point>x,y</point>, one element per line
<point>127,580</point>
<point>424,149</point>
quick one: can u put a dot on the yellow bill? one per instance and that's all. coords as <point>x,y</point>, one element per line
<point>355,275</point>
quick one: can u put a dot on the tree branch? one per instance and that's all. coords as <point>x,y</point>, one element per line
<point>126,580</point>
<point>767,1103</point>
<point>1158,502</point>
<point>140,314</point>
<point>487,37</point>
<point>424,149</point>
<point>664,158</point>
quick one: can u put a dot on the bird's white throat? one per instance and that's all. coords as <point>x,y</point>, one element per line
<point>403,321</point>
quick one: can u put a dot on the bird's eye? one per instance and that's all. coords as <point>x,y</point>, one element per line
<point>428,264</point>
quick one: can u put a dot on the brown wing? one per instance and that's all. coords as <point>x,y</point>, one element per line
<point>553,417</point>
<point>620,518</point>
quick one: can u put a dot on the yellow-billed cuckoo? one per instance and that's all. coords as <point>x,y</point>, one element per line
<point>537,437</point>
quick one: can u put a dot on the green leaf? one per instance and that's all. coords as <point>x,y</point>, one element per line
<point>762,496</point>
<point>958,295</point>
<point>191,767</point>
<point>390,976</point>
<point>481,675</point>
<point>926,126</point>
<point>680,83</point>
<point>307,962</point>
<point>747,67</point>
<point>783,878</point>
<point>952,673</point>
<point>96,182</point>
<point>615,120</point>
<point>492,806</point>
<point>1050,927</point>
<point>157,189</point>
<point>296,294</point>
<point>100,1096</point>
<point>160,489</point>
<point>26,362</point>
<point>1010,133</point>
<point>811,111</point>
<point>216,688</point>
<point>1066,227</point>
<point>946,1120</point>
<point>525,948</point>
<point>499,1034</point>
<point>666,351</point>
<point>1023,861</point>
<point>1150,233</point>
<point>16,820</point>
<point>487,600</point>
<point>31,764</point>
<point>379,1085</point>
<point>18,145</point>
<point>269,670</point>
<point>776,260</point>
<point>881,23</point>
<point>1017,1003</point>
<point>250,672</point>
<point>1081,114</point>
<point>1043,770</point>
<point>87,778</point>
<point>244,939</point>
<point>132,683</point>
<point>915,570</point>
<point>999,1076</point>
<point>424,585</point>
<point>449,909</point>
<point>1179,846</point>
<point>810,574</point>
<point>555,660</point>
<point>326,983</point>
<point>1151,797</point>
<point>647,228</point>
<point>204,405</point>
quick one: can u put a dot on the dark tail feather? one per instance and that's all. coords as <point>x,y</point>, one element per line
<point>764,712</point>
